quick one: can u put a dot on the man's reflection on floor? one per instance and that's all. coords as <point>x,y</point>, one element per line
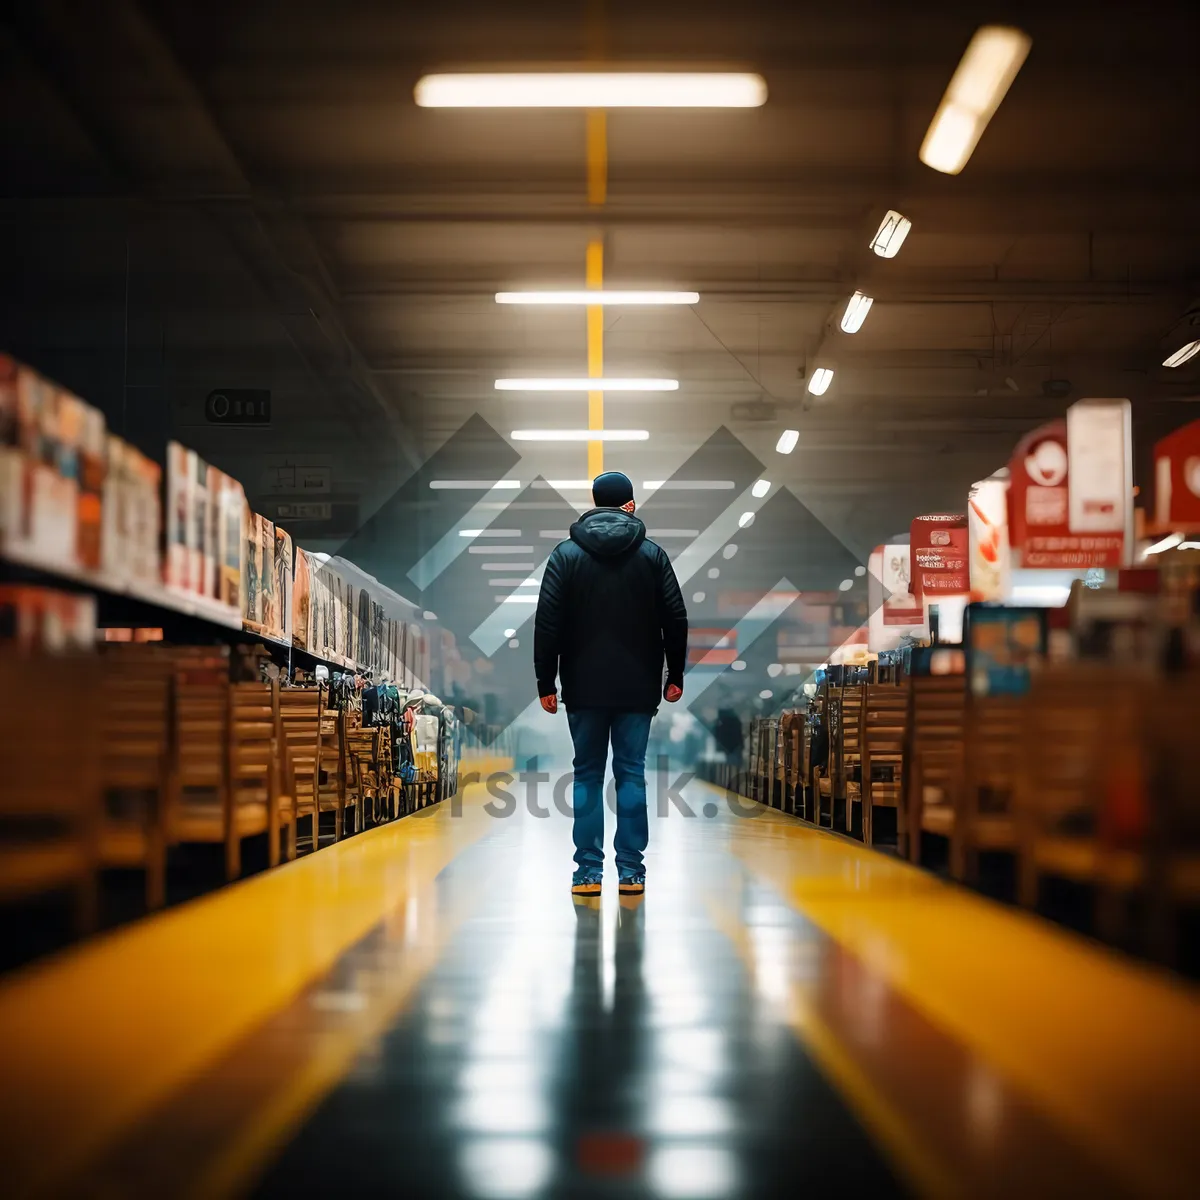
<point>610,1030</point>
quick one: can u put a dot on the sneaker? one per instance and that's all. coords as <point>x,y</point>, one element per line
<point>632,885</point>
<point>585,885</point>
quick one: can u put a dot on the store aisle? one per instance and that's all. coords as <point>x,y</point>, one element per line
<point>424,1010</point>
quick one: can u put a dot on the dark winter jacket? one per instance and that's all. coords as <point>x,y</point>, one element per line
<point>609,613</point>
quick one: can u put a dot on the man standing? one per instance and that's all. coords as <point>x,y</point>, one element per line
<point>609,614</point>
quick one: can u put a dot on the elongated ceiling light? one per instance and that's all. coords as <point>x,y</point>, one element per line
<point>598,296</point>
<point>787,441</point>
<point>1182,355</point>
<point>984,75</point>
<point>821,378</point>
<point>890,235</point>
<point>857,308</point>
<point>587,385</point>
<point>592,89</point>
<point>580,435</point>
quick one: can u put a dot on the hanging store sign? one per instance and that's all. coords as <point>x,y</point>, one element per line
<point>1071,492</point>
<point>939,555</point>
<point>304,510</point>
<point>1177,481</point>
<point>894,610</point>
<point>987,529</point>
<point>291,479</point>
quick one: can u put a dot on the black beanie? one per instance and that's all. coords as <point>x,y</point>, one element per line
<point>611,490</point>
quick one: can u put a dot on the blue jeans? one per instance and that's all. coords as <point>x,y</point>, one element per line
<point>591,731</point>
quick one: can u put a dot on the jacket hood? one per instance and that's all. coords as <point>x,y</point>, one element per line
<point>608,532</point>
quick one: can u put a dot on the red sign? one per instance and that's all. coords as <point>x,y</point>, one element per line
<point>1040,532</point>
<point>1177,481</point>
<point>939,555</point>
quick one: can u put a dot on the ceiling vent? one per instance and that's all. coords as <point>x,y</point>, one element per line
<point>754,410</point>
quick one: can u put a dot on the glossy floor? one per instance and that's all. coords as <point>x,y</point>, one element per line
<point>423,1010</point>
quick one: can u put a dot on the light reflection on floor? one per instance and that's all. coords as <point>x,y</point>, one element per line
<point>611,1047</point>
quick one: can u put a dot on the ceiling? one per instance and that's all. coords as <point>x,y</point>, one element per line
<point>244,194</point>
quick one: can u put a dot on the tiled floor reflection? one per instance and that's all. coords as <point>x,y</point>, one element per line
<point>614,1047</point>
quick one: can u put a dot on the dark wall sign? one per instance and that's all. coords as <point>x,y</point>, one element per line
<point>238,406</point>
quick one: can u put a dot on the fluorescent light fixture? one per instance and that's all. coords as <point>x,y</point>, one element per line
<point>580,435</point>
<point>774,669</point>
<point>522,599</point>
<point>982,80</point>
<point>821,378</point>
<point>1182,355</point>
<point>1168,543</point>
<point>689,485</point>
<point>568,485</point>
<point>429,616</point>
<point>1188,546</point>
<point>592,89</point>
<point>587,385</point>
<point>857,308</point>
<point>510,633</point>
<point>601,296</point>
<point>738,664</point>
<point>760,489</point>
<point>473,485</point>
<point>787,441</point>
<point>514,581</point>
<point>890,235</point>
<point>473,533</point>
<point>845,585</point>
<point>745,520</point>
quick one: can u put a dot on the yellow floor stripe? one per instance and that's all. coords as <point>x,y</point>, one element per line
<point>1109,1048</point>
<point>93,1040</point>
<point>913,1161</point>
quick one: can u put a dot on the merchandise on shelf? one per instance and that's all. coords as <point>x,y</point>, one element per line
<point>131,519</point>
<point>199,536</point>
<point>93,463</point>
<point>231,543</point>
<point>252,573</point>
<point>44,619</point>
<point>266,579</point>
<point>282,558</point>
<point>179,515</point>
<point>10,452</point>
<point>301,600</point>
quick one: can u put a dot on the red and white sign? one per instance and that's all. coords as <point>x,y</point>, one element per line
<point>939,553</point>
<point>1071,491</point>
<point>894,610</point>
<point>987,524</point>
<point>1177,481</point>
